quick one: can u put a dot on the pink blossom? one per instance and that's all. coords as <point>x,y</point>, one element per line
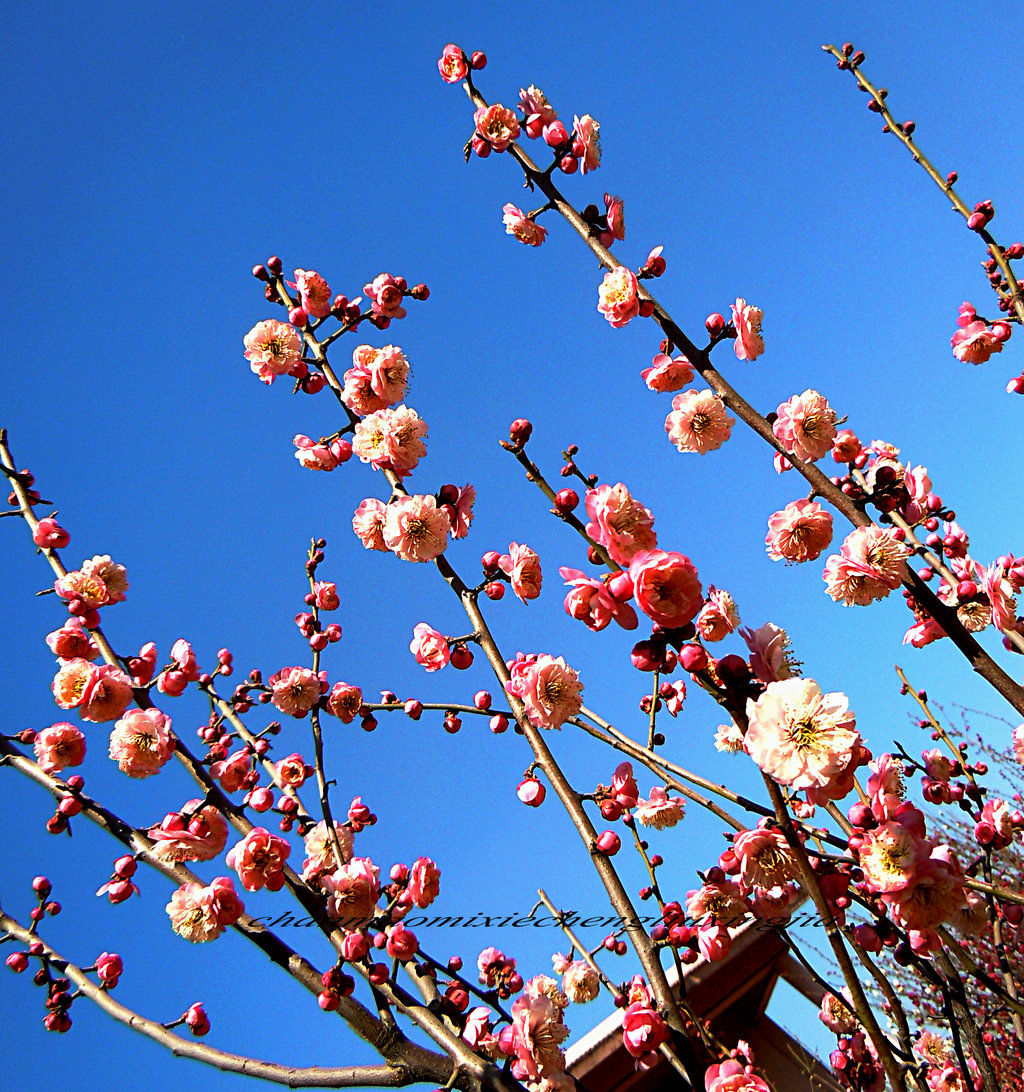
<point>401,943</point>
<point>799,532</point>
<point>975,343</point>
<point>936,894</point>
<point>391,439</point>
<point>770,658</point>
<point>580,982</point>
<point>321,856</point>
<point>806,426</point>
<point>764,857</point>
<point>522,566</point>
<point>452,65</point>
<point>623,788</point>
<point>424,882</point>
<point>890,855</point>
<point>1018,744</point>
<point>615,217</point>
<point>232,771</point>
<point>868,567</point>
<point>590,602</point>
<point>520,225</point>
<point>837,1016</point>
<point>315,456</point>
<point>259,860</point>
<point>272,348</point>
<point>537,1030</point>
<point>666,375</point>
<point>617,296</point>
<point>1000,596</point>
<point>109,968</point>
<point>622,525</point>
<point>549,689</point>
<point>749,343</point>
<point>79,586</point>
<point>643,1031</point>
<point>49,535</point>
<point>698,422</point>
<point>377,379</point>
<point>70,682</point>
<point>923,633</point>
<point>352,891</point>
<point>326,593</point>
<point>886,791</point>
<point>415,529</point>
<point>59,746</point>
<point>497,124</point>
<point>344,702</point>
<point>107,694</point>
<point>800,736</point>
<point>294,690</point>
<point>114,577</point>
<point>429,647</point>
<point>358,393</point>
<point>196,1019</point>
<point>314,293</point>
<point>846,447</point>
<point>587,142</point>
<point>660,810</point>
<point>731,1076</point>
<point>536,108</point>
<point>728,739</point>
<point>460,512</point>
<point>719,616</point>
<point>202,913</point>
<point>292,771</point>
<point>666,587</point>
<point>72,641</point>
<point>386,293</point>
<point>368,524</point>
<point>201,839</point>
<point>141,743</point>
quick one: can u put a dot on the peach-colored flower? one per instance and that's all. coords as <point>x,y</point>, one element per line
<point>587,142</point>
<point>424,882</point>
<point>391,439</point>
<point>272,348</point>
<point>59,746</point>
<point>749,343</point>
<point>344,702</point>
<point>615,218</point>
<point>889,856</point>
<point>386,294</point>
<point>837,1016</point>
<point>460,512</point>
<point>975,343</point>
<point>352,891</point>
<point>799,532</point>
<point>358,393</point>
<point>321,857</point>
<point>764,857</point>
<point>580,982</point>
<point>201,839</point>
<point>81,587</point>
<point>770,657</point>
<point>314,456</point>
<point>537,1031</point>
<point>232,771</point>
<point>72,641</point>
<point>618,522</point>
<point>497,124</point>
<point>643,1031</point>
<point>731,1076</point>
<point>728,739</point>
<point>1000,596</point>
<point>718,903</point>
<point>107,694</point>
<point>377,379</point>
<point>202,913</point>
<point>617,296</point>
<point>522,566</point>
<point>294,690</point>
<point>292,771</point>
<point>719,616</point>
<point>666,375</point>
<point>800,736</point>
<point>806,426</point>
<point>114,577</point>
<point>518,224</point>
<point>452,65</point>
<point>415,529</point>
<point>590,602</point>
<point>535,106</point>
<point>660,810</point>
<point>698,422</point>
<point>868,567</point>
<point>934,897</point>
<point>314,292</point>
<point>70,682</point>
<point>666,587</point>
<point>429,647</point>
<point>259,860</point>
<point>141,742</point>
<point>368,524</point>
<point>846,447</point>
<point>548,687</point>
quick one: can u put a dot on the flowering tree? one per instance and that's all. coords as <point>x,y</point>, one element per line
<point>833,819</point>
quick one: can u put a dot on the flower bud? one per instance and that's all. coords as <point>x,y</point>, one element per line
<point>519,431</point>
<point>609,843</point>
<point>531,792</point>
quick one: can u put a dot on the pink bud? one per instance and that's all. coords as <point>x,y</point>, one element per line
<point>50,535</point>
<point>378,973</point>
<point>620,587</point>
<point>482,700</point>
<point>519,431</point>
<point>478,61</point>
<point>977,221</point>
<point>498,723</point>
<point>354,947</point>
<point>556,134</point>
<point>495,590</point>
<point>196,1020</point>
<point>452,724</point>
<point>531,792</point>
<point>609,843</point>
<point>414,709</point>
<point>569,165</point>
<point>18,962</point>
<point>714,324</point>
<point>461,657</point>
<point>480,146</point>
<point>125,867</point>
<point>42,887</point>
<point>297,316</point>
<point>261,799</point>
<point>693,658</point>
<point>566,500</point>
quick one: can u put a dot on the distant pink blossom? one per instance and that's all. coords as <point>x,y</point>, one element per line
<point>232,771</point>
<point>548,687</point>
<point>83,587</point>
<point>314,293</point>
<point>799,532</point>
<point>846,447</point>
<point>590,602</point>
<point>272,348</point>
<point>200,913</point>
<point>368,524</point>
<point>806,426</point>
<point>497,124</point>
<point>800,736</point>
<point>617,297</point>
<point>731,1076</point>
<point>314,456</point>
<point>615,217</point>
<point>518,224</point>
<point>259,860</point>
<point>326,593</point>
<point>770,658</point>
<point>59,746</point>
<point>72,641</point>
<point>666,375</point>
<point>666,586</point>
<point>344,702</point>
<point>749,343</point>
<point>975,343</point>
<point>352,891</point>
<point>114,577</point>
<point>107,694</point>
<point>385,293</point>
<point>141,743</point>
<point>452,65</point>
<point>660,810</point>
<point>698,422</point>
<point>522,566</point>
<point>391,439</point>
<point>429,647</point>
<point>719,616</point>
<point>321,856</point>
<point>201,839</point>
<point>587,142</point>
<point>463,511</point>
<point>294,690</point>
<point>619,523</point>
<point>868,566</point>
<point>424,882</point>
<point>415,529</point>
<point>536,108</point>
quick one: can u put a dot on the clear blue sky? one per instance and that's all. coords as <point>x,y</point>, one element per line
<point>155,152</point>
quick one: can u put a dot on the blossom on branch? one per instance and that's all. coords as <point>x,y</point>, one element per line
<point>548,687</point>
<point>201,913</point>
<point>141,743</point>
<point>415,529</point>
<point>525,229</point>
<point>799,532</point>
<point>806,426</point>
<point>617,297</point>
<point>749,343</point>
<point>619,523</point>
<point>868,566</point>
<point>272,348</point>
<point>698,422</point>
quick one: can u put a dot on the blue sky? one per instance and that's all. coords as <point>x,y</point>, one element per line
<point>156,152</point>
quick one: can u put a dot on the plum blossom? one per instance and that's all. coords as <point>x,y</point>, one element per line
<point>548,687</point>
<point>460,511</point>
<point>72,641</point>
<point>890,855</point>
<point>415,529</point>
<point>732,1076</point>
<point>83,587</point>
<point>107,694</point>
<point>292,771</point>
<point>666,587</point>
<point>846,447</point>
<point>617,297</point>
<point>352,891</point>
<point>259,860</point>
<point>321,856</point>
<point>764,857</point>
<point>368,524</point>
<point>525,229</point>
<point>314,292</point>
<point>799,532</point>
<point>800,736</point>
<point>580,982</point>
<point>806,426</point>
<point>934,897</point>
<point>385,293</point>
<point>141,743</point>
<point>344,702</point>
<point>728,739</point>
<point>615,218</point>
<point>202,838</point>
<point>999,592</point>
<point>660,810</point>
<point>719,616</point>
<point>232,771</point>
<point>452,65</point>
<point>536,109</point>
<point>429,647</point>
<point>272,348</point>
<point>590,602</point>
<point>391,439</point>
<point>976,342</point>
<point>770,657</point>
<point>322,456</point>
<point>522,566</point>
<point>619,523</point>
<point>70,682</point>
<point>114,577</point>
<point>643,1031</point>
<point>424,882</point>
<point>868,566</point>
<point>59,746</point>
<point>666,375</point>
<point>294,690</point>
<point>537,1030</point>
<point>749,343</point>
<point>587,142</point>
<point>497,124</point>
<point>201,913</point>
<point>698,422</point>
<point>377,379</point>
